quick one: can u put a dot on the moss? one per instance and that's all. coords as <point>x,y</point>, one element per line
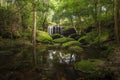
<point>83,40</point>
<point>56,36</point>
<point>104,35</point>
<point>75,49</point>
<point>89,65</point>
<point>63,40</point>
<point>43,37</point>
<point>70,43</point>
<point>52,47</point>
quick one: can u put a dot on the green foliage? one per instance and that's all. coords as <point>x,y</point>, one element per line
<point>90,65</point>
<point>10,24</point>
<point>66,28</point>
<point>43,37</point>
<point>54,47</point>
<point>88,39</point>
<point>42,48</point>
<point>70,43</point>
<point>17,35</point>
<point>92,37</point>
<point>75,49</point>
<point>104,35</point>
<point>55,36</point>
<point>63,40</point>
<point>8,43</point>
<point>93,69</point>
<point>27,33</point>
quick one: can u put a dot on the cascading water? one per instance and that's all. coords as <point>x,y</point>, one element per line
<point>54,30</point>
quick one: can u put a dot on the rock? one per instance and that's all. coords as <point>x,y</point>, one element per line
<point>69,31</point>
<point>43,37</point>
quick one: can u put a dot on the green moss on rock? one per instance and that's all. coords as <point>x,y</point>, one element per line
<point>75,49</point>
<point>71,43</point>
<point>43,37</point>
<point>63,40</point>
<point>56,36</point>
<point>89,65</point>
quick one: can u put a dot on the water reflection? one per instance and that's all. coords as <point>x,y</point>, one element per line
<point>62,57</point>
<point>48,65</point>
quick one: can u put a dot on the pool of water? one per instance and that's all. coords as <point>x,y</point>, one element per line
<point>23,63</point>
<point>41,63</point>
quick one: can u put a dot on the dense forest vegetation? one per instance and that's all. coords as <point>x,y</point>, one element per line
<point>88,47</point>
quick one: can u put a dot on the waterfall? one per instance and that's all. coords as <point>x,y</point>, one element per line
<point>54,29</point>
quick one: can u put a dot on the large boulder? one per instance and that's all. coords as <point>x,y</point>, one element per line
<point>75,36</point>
<point>89,65</point>
<point>94,69</point>
<point>69,31</point>
<point>43,37</point>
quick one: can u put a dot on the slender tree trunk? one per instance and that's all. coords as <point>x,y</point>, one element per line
<point>95,13</point>
<point>116,19</point>
<point>99,21</point>
<point>34,32</point>
<point>34,24</point>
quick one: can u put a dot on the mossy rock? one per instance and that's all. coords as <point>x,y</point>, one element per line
<point>71,43</point>
<point>69,31</point>
<point>56,36</point>
<point>89,65</point>
<point>75,36</point>
<point>43,37</point>
<point>52,47</point>
<point>75,49</point>
<point>83,40</point>
<point>63,40</point>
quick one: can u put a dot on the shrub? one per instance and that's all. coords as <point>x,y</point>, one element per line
<point>17,35</point>
<point>27,33</point>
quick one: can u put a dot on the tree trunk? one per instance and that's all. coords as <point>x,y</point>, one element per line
<point>116,19</point>
<point>99,21</point>
<point>34,24</point>
<point>34,32</point>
